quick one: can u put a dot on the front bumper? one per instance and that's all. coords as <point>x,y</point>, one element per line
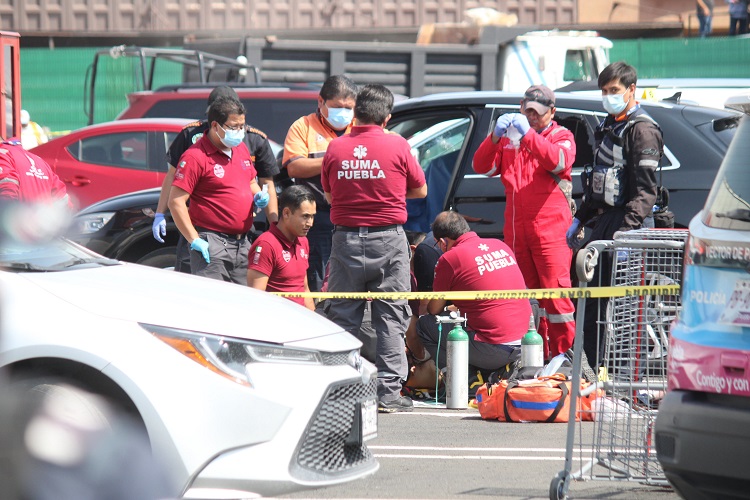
<point>703,444</point>
<point>323,456</point>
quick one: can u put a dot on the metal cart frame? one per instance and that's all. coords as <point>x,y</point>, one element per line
<point>632,366</point>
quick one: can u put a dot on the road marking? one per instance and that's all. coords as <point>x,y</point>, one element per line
<point>462,448</point>
<point>468,457</point>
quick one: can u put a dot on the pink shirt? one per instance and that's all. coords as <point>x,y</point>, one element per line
<point>480,264</point>
<point>219,186</point>
<point>284,262</point>
<point>367,173</point>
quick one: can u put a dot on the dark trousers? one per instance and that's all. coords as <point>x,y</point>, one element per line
<point>319,237</point>
<point>737,25</point>
<point>605,227</point>
<point>182,261</point>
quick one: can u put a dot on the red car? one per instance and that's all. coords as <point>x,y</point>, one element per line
<point>271,109</point>
<point>108,159</point>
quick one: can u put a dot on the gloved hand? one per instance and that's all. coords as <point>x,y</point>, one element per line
<point>521,123</point>
<point>201,245</point>
<point>571,235</point>
<point>261,197</point>
<point>502,124</point>
<point>159,227</point>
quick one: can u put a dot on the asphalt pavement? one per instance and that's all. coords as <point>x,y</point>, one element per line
<point>438,453</point>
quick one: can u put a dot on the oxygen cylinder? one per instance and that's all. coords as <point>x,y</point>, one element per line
<point>457,376</point>
<point>532,347</point>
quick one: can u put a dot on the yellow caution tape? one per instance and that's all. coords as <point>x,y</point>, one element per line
<point>540,293</point>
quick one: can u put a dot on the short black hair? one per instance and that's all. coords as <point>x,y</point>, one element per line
<point>619,70</point>
<point>294,196</point>
<point>221,91</point>
<point>414,237</point>
<point>224,106</point>
<point>338,87</point>
<point>449,224</point>
<point>374,104</point>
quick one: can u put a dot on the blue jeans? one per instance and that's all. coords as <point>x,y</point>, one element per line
<point>704,24</point>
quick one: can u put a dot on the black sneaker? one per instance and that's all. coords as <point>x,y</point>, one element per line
<point>402,403</point>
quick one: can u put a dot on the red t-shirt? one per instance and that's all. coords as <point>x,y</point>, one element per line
<point>284,262</point>
<point>26,177</point>
<point>367,174</point>
<point>219,186</point>
<point>476,264</point>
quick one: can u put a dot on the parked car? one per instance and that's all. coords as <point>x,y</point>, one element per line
<point>272,109</point>
<point>702,432</point>
<point>101,161</point>
<point>444,130</point>
<point>236,389</point>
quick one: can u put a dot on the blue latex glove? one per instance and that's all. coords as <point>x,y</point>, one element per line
<point>571,235</point>
<point>159,227</point>
<point>622,256</point>
<point>261,198</point>
<point>502,124</point>
<point>201,245</point>
<point>521,123</point>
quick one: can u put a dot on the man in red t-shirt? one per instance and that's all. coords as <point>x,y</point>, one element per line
<point>218,177</point>
<point>471,263</point>
<point>278,259</point>
<point>367,176</point>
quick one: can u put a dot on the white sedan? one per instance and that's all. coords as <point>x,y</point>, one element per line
<point>237,390</point>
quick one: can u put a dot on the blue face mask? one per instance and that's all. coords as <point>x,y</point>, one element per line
<point>339,118</point>
<point>614,104</point>
<point>232,138</point>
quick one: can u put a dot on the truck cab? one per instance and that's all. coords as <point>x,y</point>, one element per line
<point>553,58</point>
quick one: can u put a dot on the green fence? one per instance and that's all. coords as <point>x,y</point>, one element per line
<point>720,57</point>
<point>52,85</point>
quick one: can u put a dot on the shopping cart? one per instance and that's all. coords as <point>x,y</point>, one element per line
<point>631,338</point>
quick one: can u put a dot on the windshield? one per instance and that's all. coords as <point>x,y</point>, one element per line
<point>728,204</point>
<point>56,255</point>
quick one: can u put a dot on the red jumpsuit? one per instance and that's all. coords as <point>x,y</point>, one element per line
<point>26,177</point>
<point>537,215</point>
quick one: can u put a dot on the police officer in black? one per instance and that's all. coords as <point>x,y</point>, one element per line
<point>260,152</point>
<point>620,189</point>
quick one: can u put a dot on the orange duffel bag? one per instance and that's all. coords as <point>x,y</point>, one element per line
<point>544,399</point>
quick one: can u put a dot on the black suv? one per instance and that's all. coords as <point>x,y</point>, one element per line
<point>444,130</point>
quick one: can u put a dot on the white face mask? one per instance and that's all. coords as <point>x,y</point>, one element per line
<point>614,104</point>
<point>339,118</point>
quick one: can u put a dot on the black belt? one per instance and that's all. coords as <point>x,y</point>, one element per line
<point>227,236</point>
<point>368,229</point>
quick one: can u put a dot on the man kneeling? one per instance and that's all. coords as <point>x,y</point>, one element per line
<point>471,263</point>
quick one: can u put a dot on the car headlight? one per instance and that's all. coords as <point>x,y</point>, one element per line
<point>91,223</point>
<point>229,357</point>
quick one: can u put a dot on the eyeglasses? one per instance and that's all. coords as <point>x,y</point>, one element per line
<point>236,128</point>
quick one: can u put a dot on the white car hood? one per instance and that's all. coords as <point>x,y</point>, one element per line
<point>177,300</point>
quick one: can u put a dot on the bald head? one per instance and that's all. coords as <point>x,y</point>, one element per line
<point>449,224</point>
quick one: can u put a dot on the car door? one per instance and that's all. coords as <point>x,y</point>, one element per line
<point>109,164</point>
<point>481,199</point>
<point>439,140</point>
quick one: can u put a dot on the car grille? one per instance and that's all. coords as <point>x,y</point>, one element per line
<point>323,450</point>
<point>335,358</point>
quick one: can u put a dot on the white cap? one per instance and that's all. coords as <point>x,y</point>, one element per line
<point>25,118</point>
